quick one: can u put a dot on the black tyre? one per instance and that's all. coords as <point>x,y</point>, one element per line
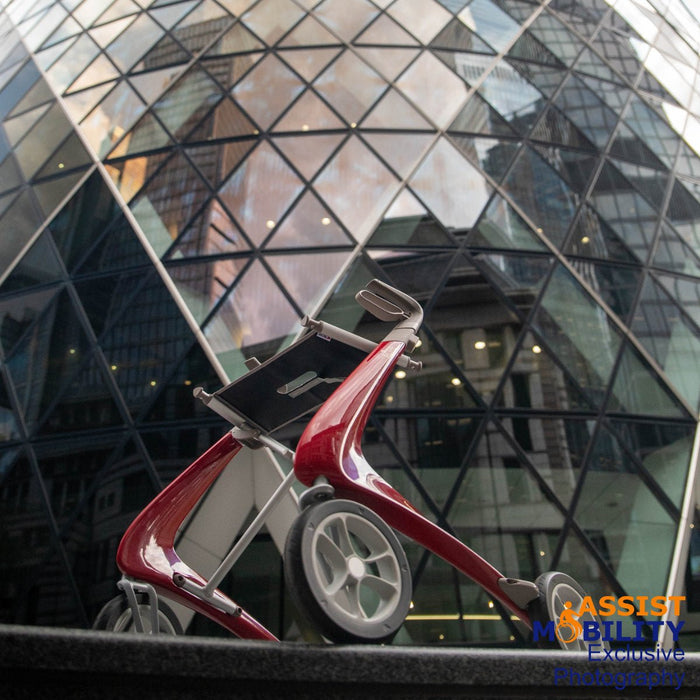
<point>557,593</point>
<point>347,572</point>
<point>116,616</point>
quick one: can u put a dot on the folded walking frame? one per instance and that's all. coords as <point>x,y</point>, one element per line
<point>344,565</point>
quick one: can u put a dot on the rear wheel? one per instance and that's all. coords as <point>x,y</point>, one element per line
<point>347,572</point>
<point>116,616</point>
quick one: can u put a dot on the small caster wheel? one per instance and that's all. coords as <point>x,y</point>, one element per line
<point>116,616</point>
<point>559,593</point>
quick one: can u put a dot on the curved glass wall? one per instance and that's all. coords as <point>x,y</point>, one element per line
<point>181,181</point>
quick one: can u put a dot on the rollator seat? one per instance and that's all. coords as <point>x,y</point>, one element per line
<point>291,384</point>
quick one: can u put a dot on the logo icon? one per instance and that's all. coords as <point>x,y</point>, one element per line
<point>569,628</point>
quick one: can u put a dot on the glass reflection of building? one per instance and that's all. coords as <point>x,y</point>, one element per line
<point>181,181</point>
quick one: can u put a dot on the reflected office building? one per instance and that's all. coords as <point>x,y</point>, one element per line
<point>181,181</point>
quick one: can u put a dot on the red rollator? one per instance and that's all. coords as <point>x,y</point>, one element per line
<point>344,565</point>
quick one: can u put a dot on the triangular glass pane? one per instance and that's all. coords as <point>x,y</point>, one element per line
<point>554,446</point>
<point>537,381</point>
<point>393,111</point>
<point>438,386</point>
<point>589,62</point>
<point>499,492</point>
<point>671,339</point>
<point>10,177</point>
<point>617,286</point>
<point>457,36</point>
<point>69,155</point>
<point>309,152</point>
<point>576,167</point>
<point>169,201</point>
<point>228,70</point>
<point>627,212</point>
<point>528,48</point>
<point>37,95</point>
<point>418,274</point>
<point>152,84</point>
<point>122,106</point>
<point>432,446</point>
<point>628,146</point>
<point>267,90</point>
<point>388,61</point>
<point>542,195</point>
<point>350,86</point>
<point>104,34</point>
<point>286,14</point>
<point>306,276</point>
<point>184,105</point>
<point>448,206</point>
<point>19,222</point>
<point>309,32</point>
<point>341,308</point>
<point>201,285</point>
<point>502,227</point>
<point>554,127</point>
<point>587,111</point>
<point>686,292</point>
<point>429,83</point>
<point>663,449</point>
<point>638,390</point>
<point>83,219</point>
<point>385,30</point>
<point>624,519</point>
<point>118,248</point>
<point>176,402</point>
<point>79,104</point>
<point>346,17</point>
<point>238,39</point>
<point>371,193</point>
<point>406,204</point>
<point>309,225</point>
<point>101,70</point>
<point>592,238</point>
<point>28,540</point>
<point>170,15</point>
<point>258,209</point>
<point>216,162</point>
<point>424,24</point>
<point>9,429</point>
<point>106,297</point>
<point>309,113</point>
<point>649,181</point>
<point>400,151</point>
<point>141,367</point>
<point>309,63</point>
<point>479,117</point>
<point>238,330</point>
<point>212,232</point>
<point>413,231</point>
<point>47,358</point>
<point>674,254</point>
<point>578,332</point>
<point>19,313</point>
<point>17,127</point>
<point>39,265</point>
<point>85,404</point>
<point>493,156</point>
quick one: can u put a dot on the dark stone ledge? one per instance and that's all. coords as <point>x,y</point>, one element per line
<point>57,663</point>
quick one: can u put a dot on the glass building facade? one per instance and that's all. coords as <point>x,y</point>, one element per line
<point>180,181</point>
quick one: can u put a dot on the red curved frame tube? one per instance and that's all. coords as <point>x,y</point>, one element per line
<point>147,550</point>
<point>331,446</point>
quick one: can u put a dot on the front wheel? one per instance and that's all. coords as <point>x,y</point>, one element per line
<point>559,601</point>
<point>347,572</point>
<point>116,616</point>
